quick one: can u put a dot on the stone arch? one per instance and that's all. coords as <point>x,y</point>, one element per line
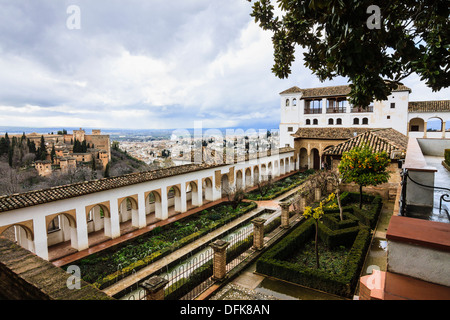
<point>207,189</point>
<point>270,170</point>
<point>22,233</point>
<point>153,205</point>
<point>282,168</point>
<point>61,227</point>
<point>174,198</point>
<point>338,121</point>
<point>314,159</point>
<point>192,193</point>
<point>240,184</point>
<point>248,177</point>
<point>365,121</point>
<point>435,124</point>
<point>98,217</point>
<point>330,121</point>
<point>27,230</point>
<point>286,165</point>
<point>276,168</point>
<point>224,185</point>
<point>255,175</point>
<point>416,125</point>
<point>128,209</point>
<point>303,154</point>
<point>263,172</point>
<point>355,121</point>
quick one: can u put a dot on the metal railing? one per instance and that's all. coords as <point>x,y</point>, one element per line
<point>405,176</point>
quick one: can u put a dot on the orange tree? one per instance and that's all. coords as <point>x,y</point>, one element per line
<point>364,167</point>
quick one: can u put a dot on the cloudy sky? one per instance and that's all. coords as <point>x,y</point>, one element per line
<point>143,64</point>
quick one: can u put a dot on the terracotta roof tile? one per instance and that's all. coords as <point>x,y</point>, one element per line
<point>429,106</point>
<point>331,133</point>
<point>31,198</point>
<point>378,139</point>
<point>331,91</point>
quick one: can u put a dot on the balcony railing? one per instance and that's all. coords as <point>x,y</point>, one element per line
<point>313,111</point>
<point>361,109</point>
<point>336,110</point>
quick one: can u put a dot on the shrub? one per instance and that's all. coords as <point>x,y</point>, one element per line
<point>447,156</point>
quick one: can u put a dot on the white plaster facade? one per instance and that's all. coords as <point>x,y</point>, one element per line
<point>391,113</point>
<point>77,217</point>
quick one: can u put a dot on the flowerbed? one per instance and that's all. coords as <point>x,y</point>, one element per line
<point>104,268</point>
<point>281,186</point>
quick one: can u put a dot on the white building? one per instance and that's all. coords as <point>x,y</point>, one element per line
<point>327,107</point>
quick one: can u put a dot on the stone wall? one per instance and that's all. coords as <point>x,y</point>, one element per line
<point>25,276</point>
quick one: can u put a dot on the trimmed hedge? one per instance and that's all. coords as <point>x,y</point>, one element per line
<point>447,156</point>
<point>350,203</point>
<point>355,237</point>
<point>333,220</point>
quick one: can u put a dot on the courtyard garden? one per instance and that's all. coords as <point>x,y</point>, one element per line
<point>331,259</point>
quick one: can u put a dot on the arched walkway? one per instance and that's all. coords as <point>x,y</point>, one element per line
<point>60,228</point>
<point>20,234</point>
<point>239,180</point>
<point>207,190</point>
<point>248,178</point>
<point>224,185</point>
<point>314,159</point>
<point>153,207</point>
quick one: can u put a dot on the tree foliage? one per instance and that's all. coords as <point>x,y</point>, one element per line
<point>413,37</point>
<point>364,167</point>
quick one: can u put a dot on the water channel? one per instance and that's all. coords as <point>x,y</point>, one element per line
<point>198,258</point>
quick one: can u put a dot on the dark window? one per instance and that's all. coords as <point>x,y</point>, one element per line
<point>315,121</point>
<point>365,121</point>
<point>308,122</point>
<point>356,121</point>
<point>290,129</point>
<point>388,117</point>
<point>331,121</point>
<point>287,102</point>
<point>392,105</point>
<point>54,225</point>
<point>414,128</point>
<point>338,121</point>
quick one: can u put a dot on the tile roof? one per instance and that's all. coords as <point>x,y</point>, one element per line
<point>429,106</point>
<point>294,89</point>
<point>331,91</point>
<point>378,139</point>
<point>330,133</point>
<point>31,198</point>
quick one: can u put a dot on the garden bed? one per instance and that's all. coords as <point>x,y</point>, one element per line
<point>105,267</point>
<point>342,249</point>
<point>281,186</point>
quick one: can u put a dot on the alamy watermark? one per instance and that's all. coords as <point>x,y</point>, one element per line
<point>374,20</point>
<point>74,280</point>
<point>73,21</point>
